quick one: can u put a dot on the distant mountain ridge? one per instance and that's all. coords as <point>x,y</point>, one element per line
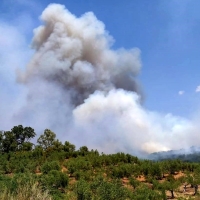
<point>191,154</point>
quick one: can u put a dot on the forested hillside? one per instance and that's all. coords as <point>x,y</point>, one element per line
<point>52,169</point>
<point>191,154</point>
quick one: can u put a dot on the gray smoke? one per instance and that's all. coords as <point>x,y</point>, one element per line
<point>75,54</point>
<point>87,93</point>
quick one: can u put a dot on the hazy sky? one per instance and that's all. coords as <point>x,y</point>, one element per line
<point>166,32</point>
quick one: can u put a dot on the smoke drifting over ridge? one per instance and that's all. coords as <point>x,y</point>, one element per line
<point>87,93</point>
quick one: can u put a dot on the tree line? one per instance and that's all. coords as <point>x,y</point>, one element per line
<point>54,170</point>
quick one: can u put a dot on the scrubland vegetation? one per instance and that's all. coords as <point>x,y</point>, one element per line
<point>53,170</point>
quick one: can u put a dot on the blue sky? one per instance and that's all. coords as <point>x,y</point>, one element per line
<point>166,32</point>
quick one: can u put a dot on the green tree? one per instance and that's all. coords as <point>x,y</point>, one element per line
<point>17,139</point>
<point>156,171</point>
<point>23,134</point>
<point>171,184</point>
<point>112,190</point>
<point>57,146</point>
<point>9,142</point>
<point>161,187</point>
<point>47,139</point>
<point>83,191</point>
<point>83,150</point>
<point>1,140</point>
<point>48,166</point>
<point>173,166</point>
<point>68,147</point>
<point>145,193</point>
<point>55,182</point>
<point>194,179</point>
<point>55,179</point>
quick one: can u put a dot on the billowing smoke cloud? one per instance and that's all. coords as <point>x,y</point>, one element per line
<point>87,92</point>
<point>75,54</point>
<point>121,123</point>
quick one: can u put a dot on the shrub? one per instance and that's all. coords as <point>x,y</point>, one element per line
<point>83,191</point>
<point>48,166</point>
<point>54,179</point>
<point>112,191</point>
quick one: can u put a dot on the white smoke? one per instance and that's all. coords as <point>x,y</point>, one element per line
<point>87,92</point>
<point>121,123</point>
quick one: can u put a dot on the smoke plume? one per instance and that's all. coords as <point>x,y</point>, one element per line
<point>75,54</point>
<point>88,93</point>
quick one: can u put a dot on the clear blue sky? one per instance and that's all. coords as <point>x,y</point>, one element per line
<point>166,32</point>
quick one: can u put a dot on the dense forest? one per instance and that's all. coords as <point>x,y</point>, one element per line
<point>53,170</point>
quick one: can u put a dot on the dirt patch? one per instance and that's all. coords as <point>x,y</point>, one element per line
<point>141,178</point>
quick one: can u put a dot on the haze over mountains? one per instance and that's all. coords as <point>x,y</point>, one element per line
<point>191,154</point>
